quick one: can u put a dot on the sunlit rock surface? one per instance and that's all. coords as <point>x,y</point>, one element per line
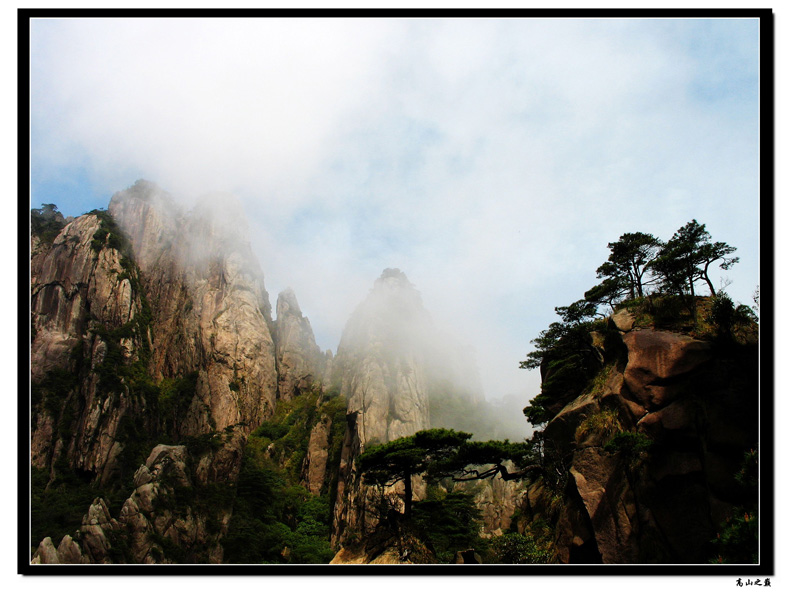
<point>211,310</point>
<point>80,290</point>
<point>300,362</point>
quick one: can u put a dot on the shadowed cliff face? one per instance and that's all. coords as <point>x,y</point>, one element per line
<point>688,409</point>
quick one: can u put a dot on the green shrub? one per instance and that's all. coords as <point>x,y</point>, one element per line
<point>46,222</point>
<point>169,549</point>
<point>670,312</point>
<point>606,423</point>
<point>447,522</point>
<point>137,444</point>
<point>738,541</point>
<point>198,445</point>
<point>271,430</point>
<point>53,390</point>
<point>738,538</point>
<point>518,548</point>
<point>174,396</point>
<point>632,445</point>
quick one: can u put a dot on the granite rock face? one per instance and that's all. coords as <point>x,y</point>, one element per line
<point>381,371</point>
<point>657,360</point>
<point>317,457</point>
<point>87,312</point>
<point>679,396</point>
<point>381,362</point>
<point>124,303</point>
<point>210,308</point>
<point>74,284</point>
<point>394,367</point>
<point>155,525</point>
<point>300,361</point>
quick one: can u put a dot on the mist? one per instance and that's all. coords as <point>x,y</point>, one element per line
<point>490,160</point>
<point>391,335</point>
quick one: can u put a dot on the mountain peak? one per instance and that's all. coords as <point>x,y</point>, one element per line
<point>287,303</point>
<point>394,277</point>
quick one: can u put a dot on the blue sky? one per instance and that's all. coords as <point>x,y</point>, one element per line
<point>492,161</point>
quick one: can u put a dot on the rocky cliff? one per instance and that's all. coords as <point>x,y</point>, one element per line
<point>150,326</point>
<point>182,423</point>
<point>90,339</point>
<point>643,465</point>
<point>300,362</point>
<point>178,511</point>
<point>380,370</point>
<point>400,375</point>
<point>381,361</point>
<point>210,308</point>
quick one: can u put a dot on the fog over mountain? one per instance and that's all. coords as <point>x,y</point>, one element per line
<point>490,160</point>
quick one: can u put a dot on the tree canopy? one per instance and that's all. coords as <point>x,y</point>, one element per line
<point>46,222</point>
<point>440,453</point>
<point>687,257</point>
<point>625,270</point>
<point>566,357</point>
<point>638,260</point>
<point>639,265</point>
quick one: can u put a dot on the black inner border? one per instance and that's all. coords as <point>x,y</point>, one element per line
<point>767,233</point>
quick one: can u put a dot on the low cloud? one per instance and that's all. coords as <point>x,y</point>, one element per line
<point>491,160</point>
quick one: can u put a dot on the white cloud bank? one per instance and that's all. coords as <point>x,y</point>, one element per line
<point>491,160</point>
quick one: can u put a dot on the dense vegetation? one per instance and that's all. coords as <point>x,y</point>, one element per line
<point>447,520</point>
<point>275,518</point>
<point>46,222</point>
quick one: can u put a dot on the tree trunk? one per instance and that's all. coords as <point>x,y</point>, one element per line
<point>407,496</point>
<point>693,306</point>
<point>637,280</point>
<point>707,279</point>
<point>690,275</point>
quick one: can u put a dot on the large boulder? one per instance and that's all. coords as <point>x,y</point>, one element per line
<point>657,360</point>
<point>660,494</point>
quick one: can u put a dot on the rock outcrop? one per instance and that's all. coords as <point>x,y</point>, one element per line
<point>147,322</point>
<point>300,361</point>
<point>395,368</point>
<point>88,318</point>
<point>210,308</point>
<point>497,501</point>
<point>690,409</point>
<point>317,457</point>
<point>380,361</point>
<point>381,371</point>
<point>177,513</point>
<point>73,284</point>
